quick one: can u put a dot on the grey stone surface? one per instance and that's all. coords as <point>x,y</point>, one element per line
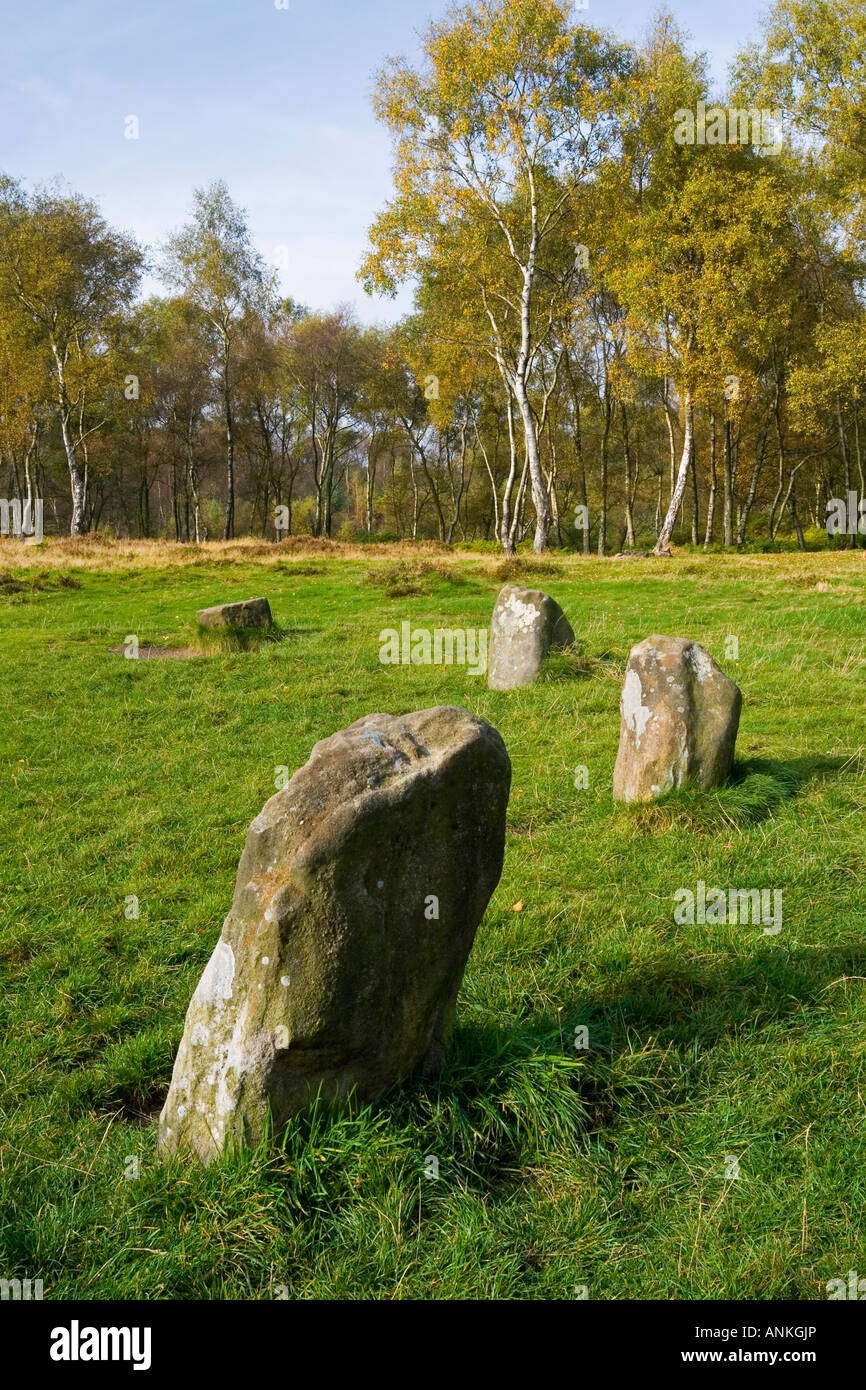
<point>679,719</point>
<point>358,895</point>
<point>249,612</point>
<point>526,625</point>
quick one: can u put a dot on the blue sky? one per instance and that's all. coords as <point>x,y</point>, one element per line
<point>275,101</point>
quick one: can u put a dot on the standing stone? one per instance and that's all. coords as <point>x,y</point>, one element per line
<point>525,626</point>
<point>679,720</point>
<point>358,895</point>
<point>250,612</point>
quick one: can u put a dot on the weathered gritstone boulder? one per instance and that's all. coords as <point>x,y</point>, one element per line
<point>358,895</point>
<point>250,612</point>
<point>525,626</point>
<point>679,720</point>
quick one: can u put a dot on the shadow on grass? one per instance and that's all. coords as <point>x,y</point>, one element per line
<point>224,641</point>
<point>237,639</point>
<point>570,663</point>
<point>676,1009</point>
<point>508,1095</point>
<point>758,787</point>
<point>648,1035</point>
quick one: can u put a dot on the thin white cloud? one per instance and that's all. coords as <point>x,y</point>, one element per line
<point>43,92</point>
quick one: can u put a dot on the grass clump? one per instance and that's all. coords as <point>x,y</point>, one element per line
<point>407,578</point>
<point>755,792</point>
<point>566,663</point>
<point>25,583</point>
<point>522,567</point>
<point>229,639</point>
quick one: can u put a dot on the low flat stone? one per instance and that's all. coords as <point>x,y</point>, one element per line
<point>526,625</point>
<point>679,719</point>
<point>663,554</point>
<point>249,612</point>
<point>358,895</point>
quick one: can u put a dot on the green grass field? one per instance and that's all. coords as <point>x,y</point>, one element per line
<point>610,1168</point>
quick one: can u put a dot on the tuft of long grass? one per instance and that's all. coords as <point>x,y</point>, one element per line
<point>407,578</point>
<point>747,799</point>
<point>230,638</point>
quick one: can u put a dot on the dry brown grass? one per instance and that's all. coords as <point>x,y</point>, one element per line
<point>101,554</point>
<point>414,575</point>
<point>104,554</point>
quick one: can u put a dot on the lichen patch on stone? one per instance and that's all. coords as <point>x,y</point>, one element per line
<point>215,984</point>
<point>635,713</point>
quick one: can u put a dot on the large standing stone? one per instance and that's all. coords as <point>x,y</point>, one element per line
<point>679,720</point>
<point>250,612</point>
<point>525,626</point>
<point>358,895</point>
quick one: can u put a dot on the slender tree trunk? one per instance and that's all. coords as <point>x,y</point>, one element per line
<point>317,522</point>
<point>581,478</point>
<point>32,436</point>
<point>693,470</point>
<point>78,523</point>
<point>508,528</point>
<point>414,497</point>
<point>522,526</point>
<point>492,482</point>
<point>193,482</point>
<point>711,500</point>
<point>458,498</point>
<point>775,521</point>
<point>434,493</point>
<point>682,478</point>
<point>229,529</point>
<point>602,517</point>
<point>846,459</point>
<point>77,480</point>
<point>753,488</point>
<point>795,518</point>
<point>819,511</point>
<point>539,491</point>
<point>175,501</point>
<point>671,441</point>
<point>728,473</point>
<point>551,492</point>
<point>330,448</point>
<point>370,484</point>
<point>626,447</point>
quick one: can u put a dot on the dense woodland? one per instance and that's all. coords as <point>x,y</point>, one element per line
<point>619,337</point>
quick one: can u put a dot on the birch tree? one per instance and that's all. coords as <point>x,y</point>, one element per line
<point>213,263</point>
<point>491,135</point>
<point>69,275</point>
